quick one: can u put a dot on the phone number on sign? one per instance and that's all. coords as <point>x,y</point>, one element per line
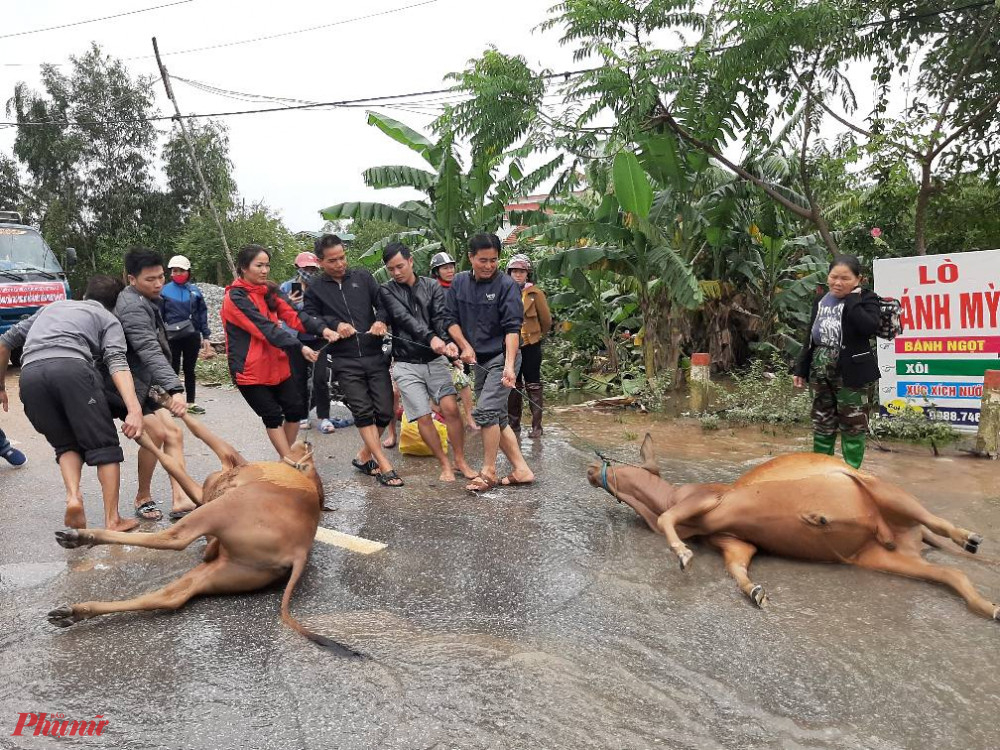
<point>955,417</point>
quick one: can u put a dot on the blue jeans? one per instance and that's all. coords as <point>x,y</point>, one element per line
<point>4,442</point>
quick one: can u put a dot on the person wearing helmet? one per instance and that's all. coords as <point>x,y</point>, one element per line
<point>185,315</point>
<point>306,271</point>
<point>443,268</point>
<point>537,324</point>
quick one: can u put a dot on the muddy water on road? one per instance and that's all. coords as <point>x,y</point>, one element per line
<point>538,617</point>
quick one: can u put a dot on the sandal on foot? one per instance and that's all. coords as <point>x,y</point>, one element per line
<point>148,511</point>
<point>176,515</point>
<point>369,468</point>
<point>511,481</point>
<point>480,484</point>
<point>387,478</point>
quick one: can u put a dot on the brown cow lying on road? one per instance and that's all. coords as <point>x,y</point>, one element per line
<point>260,519</point>
<point>802,505</point>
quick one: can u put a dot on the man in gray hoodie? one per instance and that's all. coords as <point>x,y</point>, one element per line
<point>62,393</point>
<point>149,360</point>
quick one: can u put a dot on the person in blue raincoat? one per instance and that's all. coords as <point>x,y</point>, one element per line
<point>186,317</point>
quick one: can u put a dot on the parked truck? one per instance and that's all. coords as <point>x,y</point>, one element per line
<point>30,274</point>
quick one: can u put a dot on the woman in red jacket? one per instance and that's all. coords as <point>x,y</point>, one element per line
<point>252,313</point>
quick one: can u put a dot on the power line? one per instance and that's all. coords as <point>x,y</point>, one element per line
<point>95,20</point>
<point>392,100</point>
<point>236,43</point>
<point>222,45</point>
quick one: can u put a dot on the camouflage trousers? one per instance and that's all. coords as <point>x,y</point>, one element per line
<point>837,407</point>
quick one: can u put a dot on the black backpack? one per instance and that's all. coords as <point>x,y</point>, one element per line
<point>889,324</point>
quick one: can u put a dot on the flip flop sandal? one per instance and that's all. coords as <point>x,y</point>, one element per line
<point>387,477</point>
<point>369,468</point>
<point>148,511</point>
<point>511,481</point>
<point>484,484</point>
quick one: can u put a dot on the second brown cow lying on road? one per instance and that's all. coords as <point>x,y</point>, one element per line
<point>260,519</point>
<point>802,505</point>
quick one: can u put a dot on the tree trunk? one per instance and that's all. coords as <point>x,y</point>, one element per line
<point>664,334</point>
<point>920,215</point>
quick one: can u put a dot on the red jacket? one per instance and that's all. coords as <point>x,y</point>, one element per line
<point>254,336</point>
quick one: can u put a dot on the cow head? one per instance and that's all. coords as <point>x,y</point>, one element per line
<point>597,472</point>
<point>301,454</point>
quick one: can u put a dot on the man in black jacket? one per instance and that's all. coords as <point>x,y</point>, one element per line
<point>485,314</point>
<point>420,347</point>
<point>347,300</point>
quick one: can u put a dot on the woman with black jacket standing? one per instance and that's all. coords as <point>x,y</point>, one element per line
<point>838,362</point>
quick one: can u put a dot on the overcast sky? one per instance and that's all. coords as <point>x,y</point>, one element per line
<point>298,162</point>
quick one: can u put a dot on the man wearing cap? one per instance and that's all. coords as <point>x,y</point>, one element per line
<point>185,316</point>
<point>306,271</point>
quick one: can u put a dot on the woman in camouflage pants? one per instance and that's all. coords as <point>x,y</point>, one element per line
<point>838,362</point>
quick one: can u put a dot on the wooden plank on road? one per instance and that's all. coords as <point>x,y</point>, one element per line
<point>353,543</point>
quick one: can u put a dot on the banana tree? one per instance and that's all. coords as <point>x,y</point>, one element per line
<point>457,203</point>
<point>617,235</point>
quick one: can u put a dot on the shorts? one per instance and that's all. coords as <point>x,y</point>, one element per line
<point>119,411</point>
<point>419,384</point>
<point>275,404</point>
<point>491,394</point>
<point>64,400</point>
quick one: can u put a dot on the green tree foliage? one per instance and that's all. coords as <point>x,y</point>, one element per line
<point>370,232</point>
<point>258,224</point>
<point>11,190</point>
<point>458,204</point>
<point>90,171</point>
<point>211,146</point>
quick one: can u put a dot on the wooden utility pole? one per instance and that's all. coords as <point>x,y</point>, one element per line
<point>194,156</point>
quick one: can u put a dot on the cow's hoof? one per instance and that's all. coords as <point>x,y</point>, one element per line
<point>684,557</point>
<point>972,542</point>
<point>759,596</point>
<point>71,539</point>
<point>63,617</point>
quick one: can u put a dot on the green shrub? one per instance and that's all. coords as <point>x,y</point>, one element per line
<point>913,426</point>
<point>764,394</point>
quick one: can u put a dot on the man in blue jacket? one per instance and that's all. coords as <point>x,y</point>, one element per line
<point>485,314</point>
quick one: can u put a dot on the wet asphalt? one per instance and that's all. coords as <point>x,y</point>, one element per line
<point>542,617</point>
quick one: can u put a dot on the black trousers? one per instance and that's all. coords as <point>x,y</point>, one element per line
<point>367,388</point>
<point>64,400</point>
<point>531,363</point>
<point>303,370</point>
<point>186,349</point>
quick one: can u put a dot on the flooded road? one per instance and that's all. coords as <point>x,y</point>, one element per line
<point>546,617</point>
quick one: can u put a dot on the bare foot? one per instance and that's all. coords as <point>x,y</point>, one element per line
<point>121,524</point>
<point>182,505</point>
<point>389,441</point>
<point>467,471</point>
<point>447,475</point>
<point>516,478</point>
<point>75,518</point>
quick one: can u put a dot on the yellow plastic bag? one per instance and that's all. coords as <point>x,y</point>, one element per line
<point>410,442</point>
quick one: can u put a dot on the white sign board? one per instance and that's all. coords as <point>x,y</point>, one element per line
<point>951,333</point>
